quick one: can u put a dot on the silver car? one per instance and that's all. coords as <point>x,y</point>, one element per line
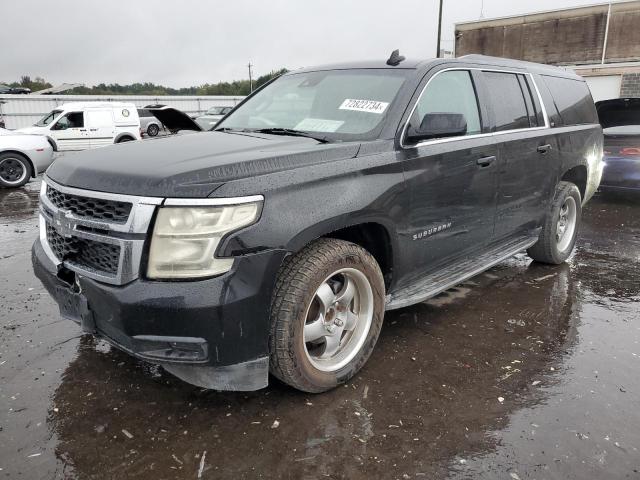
<point>22,157</point>
<point>212,117</point>
<point>149,124</point>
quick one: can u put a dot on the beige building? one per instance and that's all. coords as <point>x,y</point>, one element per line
<point>600,42</point>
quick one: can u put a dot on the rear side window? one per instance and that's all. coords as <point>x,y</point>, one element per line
<point>144,113</point>
<point>450,92</point>
<point>511,101</point>
<point>572,99</point>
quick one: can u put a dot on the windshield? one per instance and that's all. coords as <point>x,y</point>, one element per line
<point>48,118</point>
<point>215,111</point>
<point>343,104</point>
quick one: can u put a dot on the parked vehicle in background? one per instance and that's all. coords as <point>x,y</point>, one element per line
<point>87,125</point>
<point>149,124</point>
<point>620,120</point>
<point>276,242</point>
<point>173,119</point>
<point>7,90</point>
<point>212,117</point>
<point>22,157</point>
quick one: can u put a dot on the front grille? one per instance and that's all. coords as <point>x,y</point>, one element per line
<point>91,208</point>
<point>84,253</point>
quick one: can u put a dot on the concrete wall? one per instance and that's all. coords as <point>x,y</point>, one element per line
<point>630,86</point>
<point>562,37</point>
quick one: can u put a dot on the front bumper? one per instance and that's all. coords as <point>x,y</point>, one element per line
<point>212,333</point>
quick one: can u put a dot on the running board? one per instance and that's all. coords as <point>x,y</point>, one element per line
<point>442,280</point>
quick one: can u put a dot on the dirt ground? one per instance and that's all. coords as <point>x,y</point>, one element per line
<point>524,372</point>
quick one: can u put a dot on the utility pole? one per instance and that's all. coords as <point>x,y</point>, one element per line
<point>250,78</point>
<point>606,35</point>
<point>439,29</point>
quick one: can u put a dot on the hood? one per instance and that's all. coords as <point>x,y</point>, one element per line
<point>21,132</point>
<point>618,112</point>
<point>190,165</point>
<point>32,130</point>
<point>173,118</point>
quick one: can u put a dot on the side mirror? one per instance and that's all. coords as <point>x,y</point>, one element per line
<point>438,125</point>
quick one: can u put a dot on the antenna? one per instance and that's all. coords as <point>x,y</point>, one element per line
<point>395,58</point>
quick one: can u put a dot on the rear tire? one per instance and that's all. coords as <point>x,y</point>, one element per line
<point>152,130</point>
<point>560,229</point>
<point>326,314</point>
<point>15,170</point>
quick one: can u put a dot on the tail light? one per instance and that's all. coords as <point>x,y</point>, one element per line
<point>630,151</point>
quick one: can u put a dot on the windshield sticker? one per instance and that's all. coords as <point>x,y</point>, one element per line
<point>319,125</point>
<point>370,106</point>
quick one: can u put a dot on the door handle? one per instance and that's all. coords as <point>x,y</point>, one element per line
<point>544,148</point>
<point>485,161</point>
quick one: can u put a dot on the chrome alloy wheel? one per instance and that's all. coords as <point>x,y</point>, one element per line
<point>566,224</point>
<point>12,170</point>
<point>338,319</point>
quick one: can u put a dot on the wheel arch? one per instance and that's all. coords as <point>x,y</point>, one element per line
<point>577,175</point>
<point>374,238</point>
<point>53,144</point>
<point>122,135</point>
<point>374,235</point>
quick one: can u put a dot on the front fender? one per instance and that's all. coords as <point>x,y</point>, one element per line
<point>326,198</point>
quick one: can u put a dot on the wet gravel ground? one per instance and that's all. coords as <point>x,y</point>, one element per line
<point>524,372</point>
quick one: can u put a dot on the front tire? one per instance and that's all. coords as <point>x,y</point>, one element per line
<point>326,314</point>
<point>15,170</point>
<point>561,225</point>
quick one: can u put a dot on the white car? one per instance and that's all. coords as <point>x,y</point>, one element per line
<point>22,157</point>
<point>85,125</point>
<point>212,117</point>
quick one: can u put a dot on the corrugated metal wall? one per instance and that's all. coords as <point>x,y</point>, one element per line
<point>24,110</point>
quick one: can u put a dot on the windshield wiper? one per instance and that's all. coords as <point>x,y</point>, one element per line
<point>227,129</point>
<point>290,132</point>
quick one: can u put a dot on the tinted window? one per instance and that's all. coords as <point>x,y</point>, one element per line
<point>507,101</point>
<point>70,120</point>
<point>144,113</point>
<point>449,92</point>
<point>572,99</point>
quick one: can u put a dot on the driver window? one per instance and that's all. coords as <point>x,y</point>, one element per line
<point>70,120</point>
<point>449,92</point>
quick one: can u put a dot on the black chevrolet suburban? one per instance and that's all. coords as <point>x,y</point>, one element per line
<point>276,242</point>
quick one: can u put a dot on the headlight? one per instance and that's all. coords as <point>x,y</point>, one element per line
<point>185,239</point>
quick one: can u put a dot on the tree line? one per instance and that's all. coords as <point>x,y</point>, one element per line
<point>236,87</point>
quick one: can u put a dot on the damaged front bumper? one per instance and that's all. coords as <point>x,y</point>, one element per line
<point>212,333</point>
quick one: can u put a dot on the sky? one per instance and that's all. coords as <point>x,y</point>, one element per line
<point>192,42</point>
